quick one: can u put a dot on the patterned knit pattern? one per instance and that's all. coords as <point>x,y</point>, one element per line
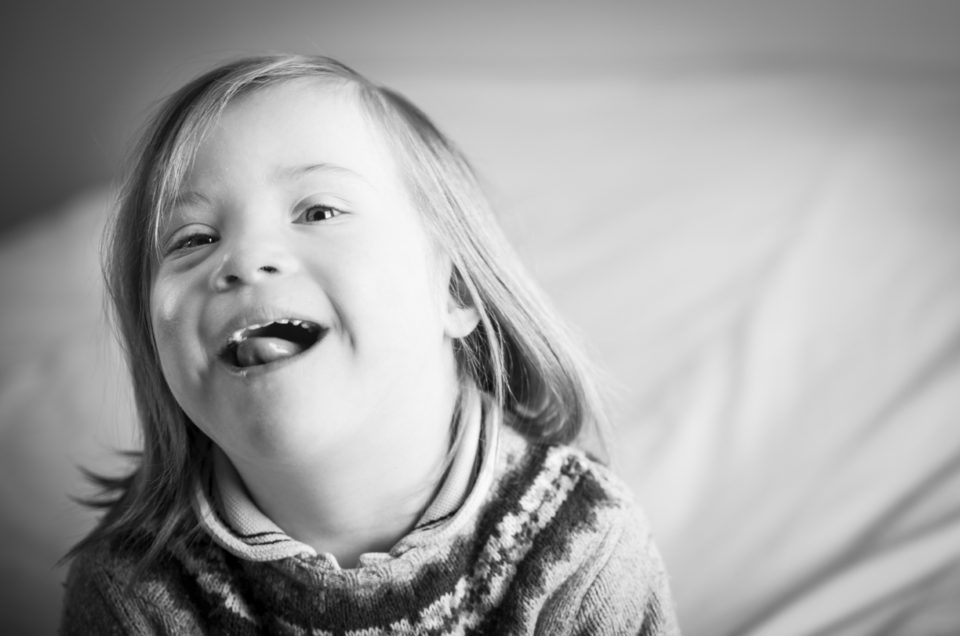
<point>554,546</point>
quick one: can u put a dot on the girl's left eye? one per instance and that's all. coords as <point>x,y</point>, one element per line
<point>317,213</point>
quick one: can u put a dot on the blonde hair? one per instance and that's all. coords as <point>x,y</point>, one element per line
<point>520,353</point>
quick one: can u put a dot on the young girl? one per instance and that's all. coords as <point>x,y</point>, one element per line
<point>355,406</point>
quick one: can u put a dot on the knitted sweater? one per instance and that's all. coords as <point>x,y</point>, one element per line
<point>546,541</point>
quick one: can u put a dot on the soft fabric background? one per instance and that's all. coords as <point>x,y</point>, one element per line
<point>750,211</point>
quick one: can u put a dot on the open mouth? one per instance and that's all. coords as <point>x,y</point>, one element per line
<point>269,342</point>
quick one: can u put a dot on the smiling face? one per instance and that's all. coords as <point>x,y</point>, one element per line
<point>299,305</point>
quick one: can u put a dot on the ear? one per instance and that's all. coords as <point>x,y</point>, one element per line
<point>460,316</point>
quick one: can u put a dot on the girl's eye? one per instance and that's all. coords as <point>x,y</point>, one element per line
<point>190,241</point>
<point>317,213</point>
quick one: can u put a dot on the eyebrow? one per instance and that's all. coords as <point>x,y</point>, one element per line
<point>290,173</point>
<point>187,198</point>
<point>285,173</point>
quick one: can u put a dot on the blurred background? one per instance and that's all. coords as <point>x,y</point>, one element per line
<point>749,210</point>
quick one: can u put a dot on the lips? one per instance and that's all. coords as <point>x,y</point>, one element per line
<point>263,343</point>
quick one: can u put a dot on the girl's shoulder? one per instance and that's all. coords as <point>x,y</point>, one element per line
<point>111,588</point>
<point>566,475</point>
<point>95,590</point>
<point>567,522</point>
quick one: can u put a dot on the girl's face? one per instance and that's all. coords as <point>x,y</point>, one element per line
<point>299,305</point>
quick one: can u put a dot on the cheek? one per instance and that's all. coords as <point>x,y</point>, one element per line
<point>412,284</point>
<point>164,314</point>
<point>179,352</point>
<point>170,317</point>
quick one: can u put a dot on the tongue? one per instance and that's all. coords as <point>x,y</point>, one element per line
<point>261,350</point>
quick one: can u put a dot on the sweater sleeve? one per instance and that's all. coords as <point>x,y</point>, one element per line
<point>630,593</point>
<point>99,599</point>
<point>94,602</point>
<point>619,585</point>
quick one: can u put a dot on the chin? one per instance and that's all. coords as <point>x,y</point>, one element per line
<point>274,432</point>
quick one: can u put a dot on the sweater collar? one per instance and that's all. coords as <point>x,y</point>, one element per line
<point>227,512</point>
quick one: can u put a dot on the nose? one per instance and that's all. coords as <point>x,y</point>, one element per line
<point>251,262</point>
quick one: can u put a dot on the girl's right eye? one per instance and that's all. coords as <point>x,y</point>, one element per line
<point>189,240</point>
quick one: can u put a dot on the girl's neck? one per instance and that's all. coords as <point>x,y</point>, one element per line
<point>348,504</point>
